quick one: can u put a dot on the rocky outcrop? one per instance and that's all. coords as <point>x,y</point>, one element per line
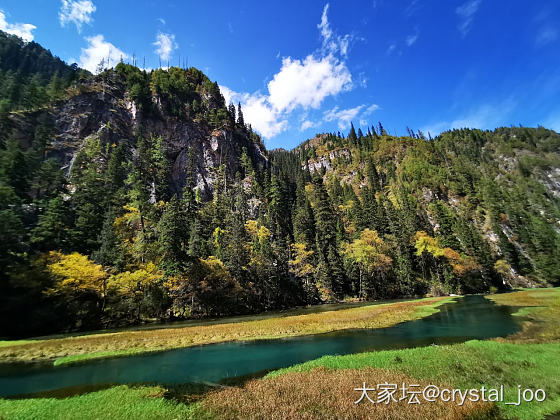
<point>104,111</point>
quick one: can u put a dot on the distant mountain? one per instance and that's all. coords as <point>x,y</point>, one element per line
<point>131,196</point>
<point>492,195</point>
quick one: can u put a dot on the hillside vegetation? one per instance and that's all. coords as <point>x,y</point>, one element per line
<point>135,196</point>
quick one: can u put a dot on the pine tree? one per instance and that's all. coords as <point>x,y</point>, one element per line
<point>173,237</point>
<point>352,138</point>
<point>240,120</point>
<point>52,226</point>
<point>231,113</point>
<point>331,273</point>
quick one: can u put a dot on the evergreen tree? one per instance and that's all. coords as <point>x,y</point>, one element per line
<point>240,120</point>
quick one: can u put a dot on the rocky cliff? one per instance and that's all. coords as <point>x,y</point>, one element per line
<point>102,108</point>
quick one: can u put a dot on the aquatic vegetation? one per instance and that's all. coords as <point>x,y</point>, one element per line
<point>80,348</point>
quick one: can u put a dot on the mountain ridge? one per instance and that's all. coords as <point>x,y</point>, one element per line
<point>132,196</point>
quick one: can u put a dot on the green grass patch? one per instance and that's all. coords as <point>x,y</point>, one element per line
<point>10,343</point>
<point>77,358</point>
<point>539,313</point>
<point>121,402</point>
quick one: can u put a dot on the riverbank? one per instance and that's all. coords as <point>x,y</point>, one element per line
<point>80,348</point>
<point>324,388</point>
<point>528,358</point>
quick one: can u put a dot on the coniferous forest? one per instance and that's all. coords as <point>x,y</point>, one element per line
<point>134,196</point>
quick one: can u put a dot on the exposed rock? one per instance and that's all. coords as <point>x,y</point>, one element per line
<point>105,112</point>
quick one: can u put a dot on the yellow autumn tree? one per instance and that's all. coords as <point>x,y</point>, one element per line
<point>300,264</point>
<point>76,272</point>
<point>128,291</point>
<point>461,264</point>
<point>130,283</point>
<point>368,252</point>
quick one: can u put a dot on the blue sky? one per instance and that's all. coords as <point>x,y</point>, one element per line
<point>302,67</point>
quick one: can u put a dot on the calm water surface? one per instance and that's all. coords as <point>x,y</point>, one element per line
<point>472,317</point>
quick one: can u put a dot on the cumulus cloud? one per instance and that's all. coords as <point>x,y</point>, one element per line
<point>344,117</point>
<point>307,83</point>
<point>466,13</point>
<point>99,50</point>
<point>267,120</point>
<point>165,44</point>
<point>23,30</point>
<point>257,111</point>
<point>300,84</point>
<point>77,12</point>
<point>306,124</point>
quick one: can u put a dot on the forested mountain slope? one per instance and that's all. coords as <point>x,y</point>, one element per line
<point>133,196</point>
<point>465,211</point>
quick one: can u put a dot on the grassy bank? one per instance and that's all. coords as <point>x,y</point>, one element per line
<point>539,314</point>
<point>528,358</point>
<point>121,402</point>
<point>79,348</point>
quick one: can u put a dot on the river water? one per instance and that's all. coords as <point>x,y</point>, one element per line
<point>471,317</point>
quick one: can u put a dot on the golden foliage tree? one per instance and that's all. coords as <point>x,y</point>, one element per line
<point>76,272</point>
<point>369,253</point>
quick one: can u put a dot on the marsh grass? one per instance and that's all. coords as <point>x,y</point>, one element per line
<point>528,358</point>
<point>81,348</point>
<point>539,313</point>
<point>324,388</point>
<point>323,393</point>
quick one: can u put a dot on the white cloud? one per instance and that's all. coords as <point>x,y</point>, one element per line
<point>23,30</point>
<point>77,12</point>
<point>391,48</point>
<point>344,117</point>
<point>166,45</point>
<point>257,112</point>
<point>332,43</point>
<point>306,124</point>
<point>307,83</point>
<point>466,13</point>
<point>324,26</point>
<point>97,50</point>
<point>411,40</point>
<point>412,8</point>
<point>266,120</point>
<point>300,84</point>
<point>371,108</point>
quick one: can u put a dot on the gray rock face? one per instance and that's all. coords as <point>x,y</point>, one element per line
<point>105,112</point>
